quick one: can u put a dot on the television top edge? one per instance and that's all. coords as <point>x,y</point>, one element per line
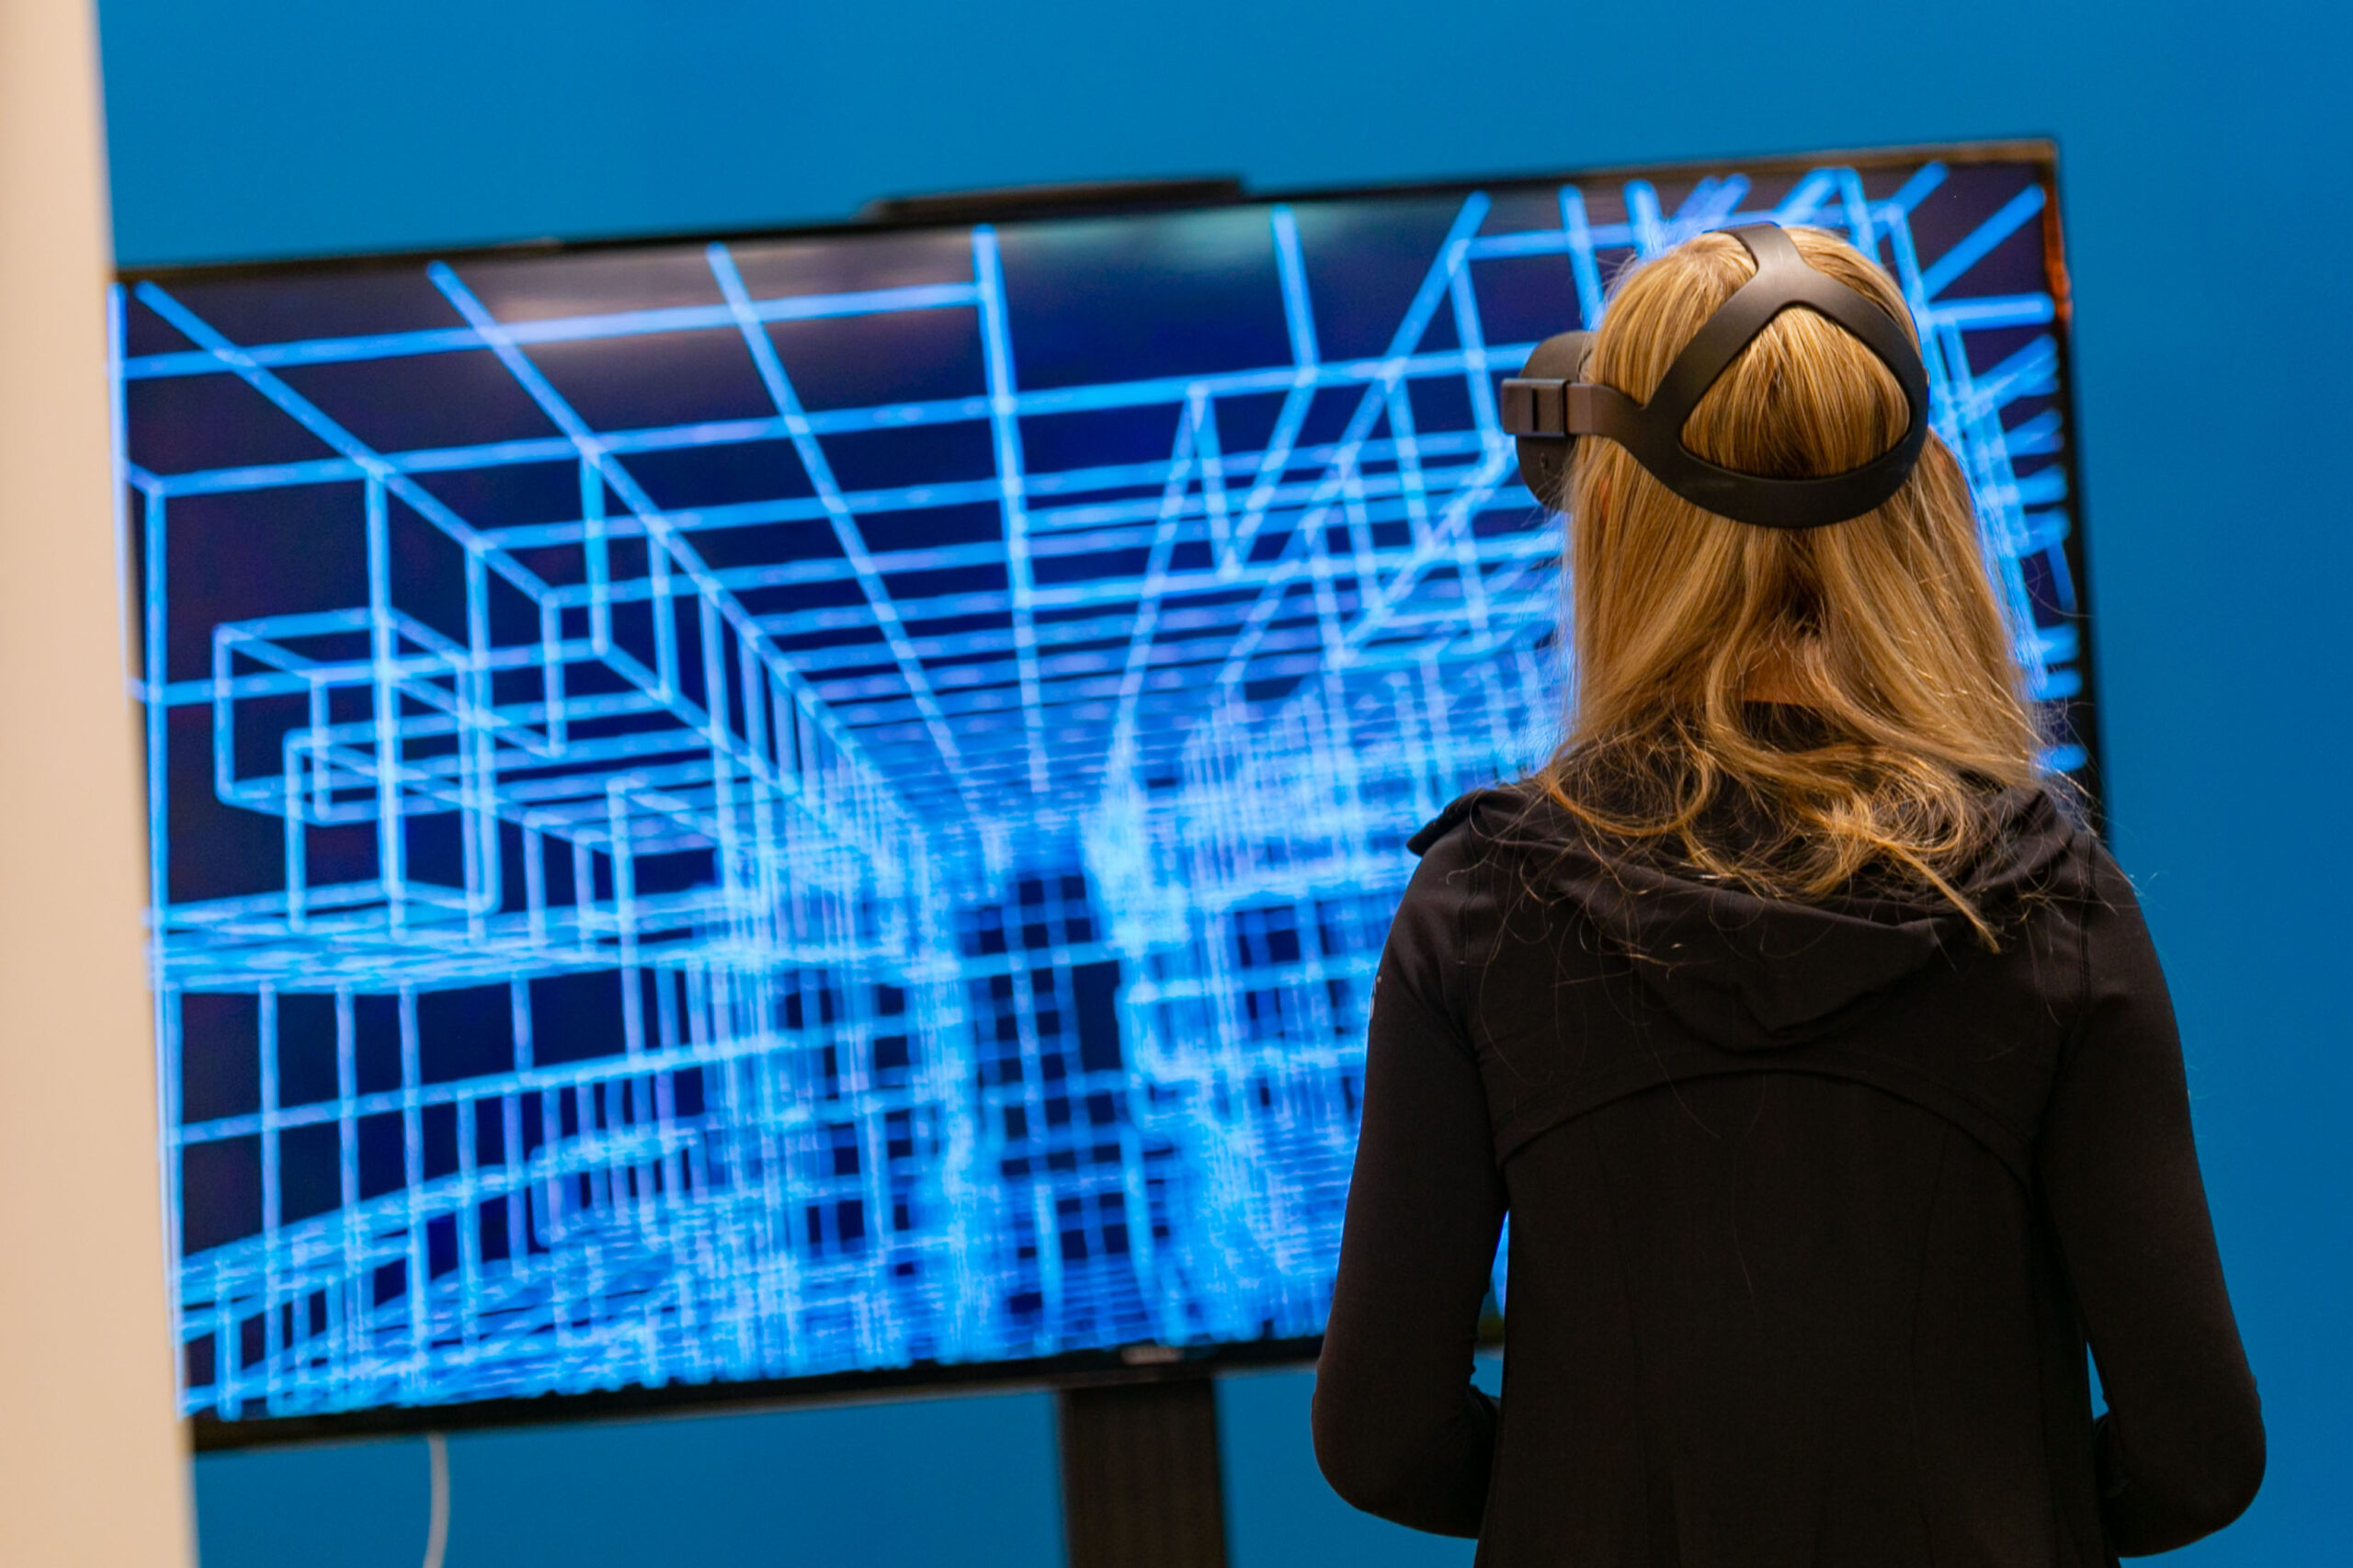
<point>1141,196</point>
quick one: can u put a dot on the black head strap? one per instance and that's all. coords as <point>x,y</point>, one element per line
<point>1549,404</point>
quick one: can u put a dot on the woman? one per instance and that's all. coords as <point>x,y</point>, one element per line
<point>1821,1060</point>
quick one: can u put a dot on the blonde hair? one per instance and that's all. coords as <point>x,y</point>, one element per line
<point>1885,627</point>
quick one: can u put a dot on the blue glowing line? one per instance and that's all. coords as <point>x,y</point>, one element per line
<point>669,547</point>
<point>1711,205</point>
<point>154,634</point>
<point>2035,436</point>
<point>364,460</point>
<point>1914,191</point>
<point>562,329</point>
<point>1453,254</point>
<point>1972,250</point>
<point>1299,315</point>
<point>1857,210</point>
<point>1193,432</point>
<point>1806,197</point>
<point>1443,538</point>
<point>836,510</point>
<point>1399,408</point>
<point>1584,266</point>
<point>1298,319</point>
<point>2020,310</point>
<point>391,841</point>
<point>1004,426</point>
<point>1381,396</point>
<point>1649,230</point>
<point>2032,370</point>
<point>1497,456</point>
<point>118,461</point>
<point>1127,394</point>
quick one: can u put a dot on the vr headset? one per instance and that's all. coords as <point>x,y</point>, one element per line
<point>1549,404</point>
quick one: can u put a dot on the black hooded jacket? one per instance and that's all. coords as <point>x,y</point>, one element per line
<point>1814,1208</point>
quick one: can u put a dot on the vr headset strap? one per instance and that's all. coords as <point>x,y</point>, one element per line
<point>1653,432</point>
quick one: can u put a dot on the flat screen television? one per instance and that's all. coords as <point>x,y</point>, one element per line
<point>737,817</point>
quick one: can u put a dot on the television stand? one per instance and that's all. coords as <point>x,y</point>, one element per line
<point>1141,1487</point>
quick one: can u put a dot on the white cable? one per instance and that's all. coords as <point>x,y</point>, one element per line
<point>437,1533</point>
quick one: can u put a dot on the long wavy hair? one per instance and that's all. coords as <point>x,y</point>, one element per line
<point>1882,630</point>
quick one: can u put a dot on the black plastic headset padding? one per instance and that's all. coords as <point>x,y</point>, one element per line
<point>1653,432</point>
<point>1551,366</point>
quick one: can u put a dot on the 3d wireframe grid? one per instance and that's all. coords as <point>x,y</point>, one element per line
<point>809,805</point>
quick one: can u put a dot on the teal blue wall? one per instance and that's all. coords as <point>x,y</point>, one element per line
<point>2215,420</point>
<point>947,1481</point>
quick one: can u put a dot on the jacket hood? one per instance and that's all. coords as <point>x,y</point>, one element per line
<point>1748,972</point>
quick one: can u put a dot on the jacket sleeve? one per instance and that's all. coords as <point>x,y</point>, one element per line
<point>2180,1452</point>
<point>1400,1431</point>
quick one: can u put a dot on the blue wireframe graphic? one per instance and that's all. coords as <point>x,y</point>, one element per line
<point>815,805</point>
